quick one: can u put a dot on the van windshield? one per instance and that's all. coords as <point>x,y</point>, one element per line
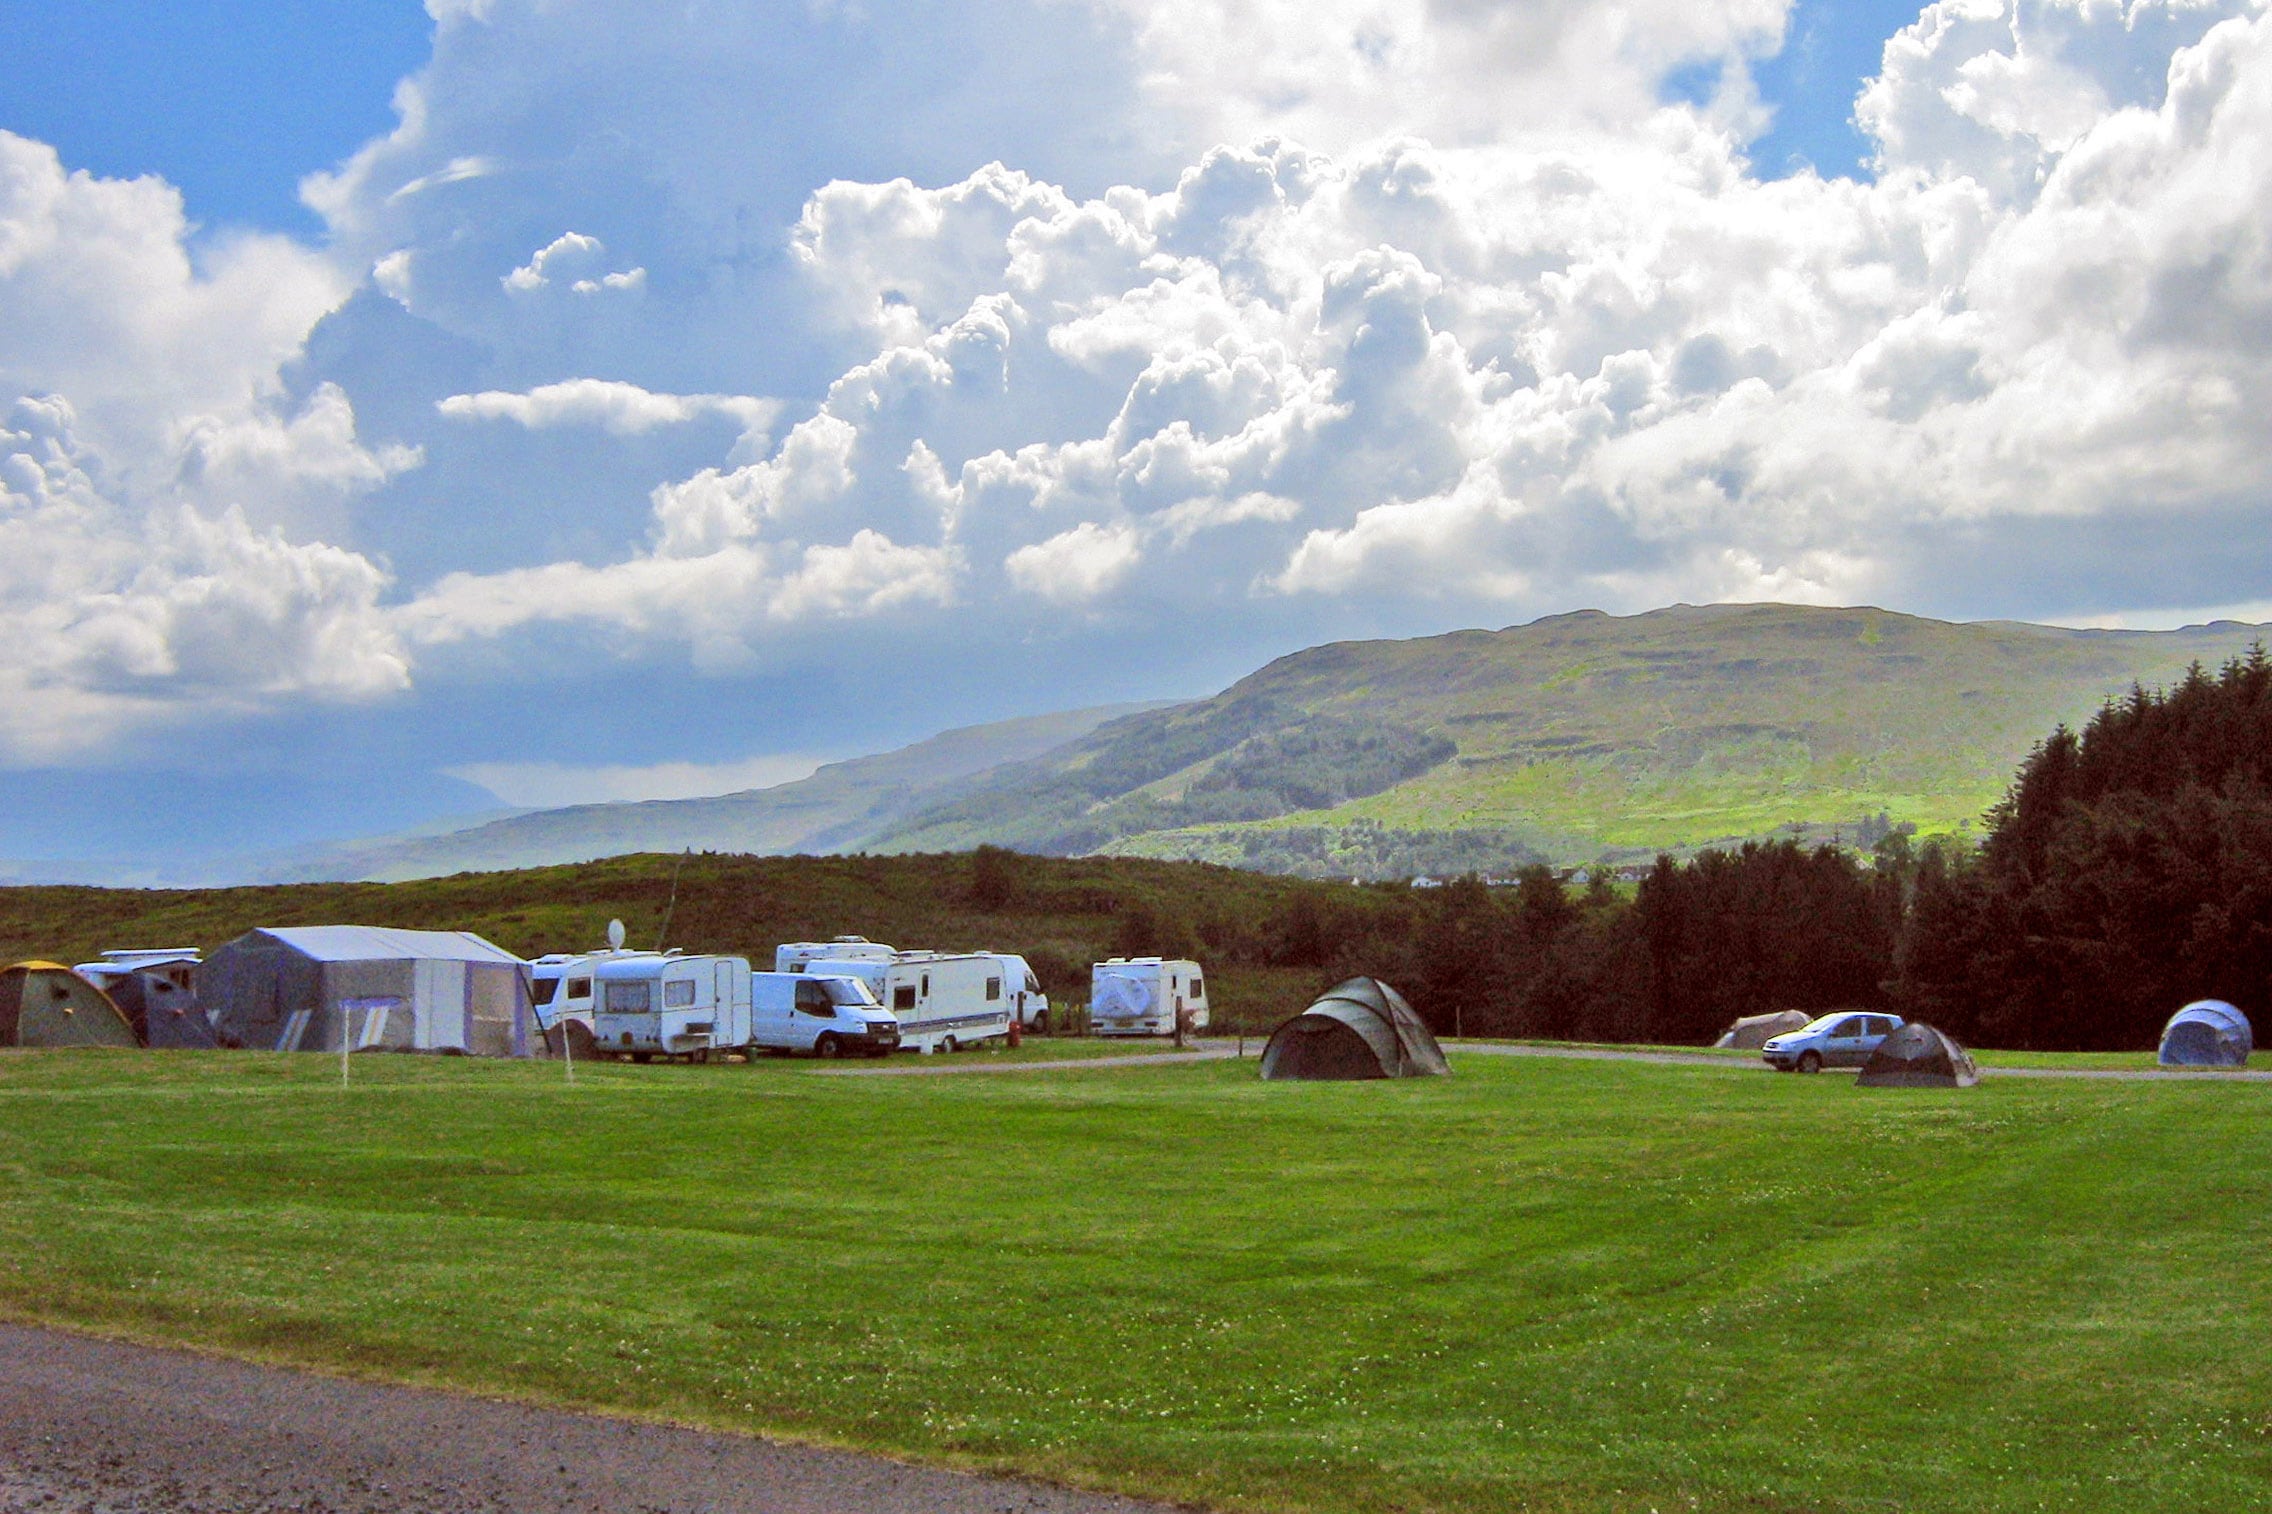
<point>850,991</point>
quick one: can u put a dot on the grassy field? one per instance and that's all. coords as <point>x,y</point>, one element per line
<point>1539,1284</point>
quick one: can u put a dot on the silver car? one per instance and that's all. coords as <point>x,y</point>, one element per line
<point>1842,1038</point>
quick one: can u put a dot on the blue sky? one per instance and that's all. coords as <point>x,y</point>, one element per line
<point>648,401</point>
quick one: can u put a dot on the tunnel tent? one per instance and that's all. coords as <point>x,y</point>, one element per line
<point>1918,1056</point>
<point>300,988</point>
<point>1358,1029</point>
<point>44,1004</point>
<point>157,992</point>
<point>1752,1031</point>
<point>2206,1033</point>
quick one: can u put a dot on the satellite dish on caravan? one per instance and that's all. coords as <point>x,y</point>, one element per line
<point>615,935</point>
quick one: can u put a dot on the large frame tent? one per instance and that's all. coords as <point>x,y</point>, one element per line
<point>2206,1033</point>
<point>1358,1029</point>
<point>300,988</point>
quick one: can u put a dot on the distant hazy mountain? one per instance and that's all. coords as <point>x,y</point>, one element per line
<point>833,810</point>
<point>1573,738</point>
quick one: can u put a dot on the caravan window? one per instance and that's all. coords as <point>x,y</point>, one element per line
<point>903,997</point>
<point>579,988</point>
<point>1198,988</point>
<point>678,994</point>
<point>630,998</point>
<point>542,990</point>
<point>993,989</point>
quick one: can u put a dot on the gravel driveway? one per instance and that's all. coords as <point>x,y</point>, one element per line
<point>94,1427</point>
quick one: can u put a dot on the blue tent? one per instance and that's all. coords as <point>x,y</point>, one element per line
<point>2207,1033</point>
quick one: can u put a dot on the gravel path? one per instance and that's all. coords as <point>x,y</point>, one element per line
<point>1216,1051</point>
<point>90,1426</point>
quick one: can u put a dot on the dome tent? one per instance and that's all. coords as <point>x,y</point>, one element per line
<point>46,1004</point>
<point>2206,1033</point>
<point>1918,1056</point>
<point>1358,1029</point>
<point>1754,1031</point>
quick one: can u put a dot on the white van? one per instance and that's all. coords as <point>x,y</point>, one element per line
<point>943,1001</point>
<point>672,1005</point>
<point>1141,996</point>
<point>829,1016</point>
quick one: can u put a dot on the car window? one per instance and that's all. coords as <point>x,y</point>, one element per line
<point>1854,1026</point>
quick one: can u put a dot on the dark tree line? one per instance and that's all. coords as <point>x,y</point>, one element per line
<point>2128,871</point>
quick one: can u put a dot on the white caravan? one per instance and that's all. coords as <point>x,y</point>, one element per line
<point>1141,996</point>
<point>943,1001</point>
<point>827,1015</point>
<point>560,992</point>
<point>672,1005</point>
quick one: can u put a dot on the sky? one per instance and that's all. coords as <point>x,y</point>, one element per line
<point>415,413</point>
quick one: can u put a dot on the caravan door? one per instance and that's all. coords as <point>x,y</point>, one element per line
<point>729,1023</point>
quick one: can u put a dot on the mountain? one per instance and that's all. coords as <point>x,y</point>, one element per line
<point>1573,738</point>
<point>833,810</point>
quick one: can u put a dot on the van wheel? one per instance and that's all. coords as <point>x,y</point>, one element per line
<point>1811,1062</point>
<point>1041,1023</point>
<point>828,1048</point>
<point>947,1045</point>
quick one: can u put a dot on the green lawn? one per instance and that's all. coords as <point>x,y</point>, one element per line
<point>1540,1284</point>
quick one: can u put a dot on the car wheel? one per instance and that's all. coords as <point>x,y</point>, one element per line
<point>1811,1062</point>
<point>828,1048</point>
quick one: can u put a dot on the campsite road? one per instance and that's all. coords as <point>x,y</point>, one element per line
<point>91,1426</point>
<point>1216,1051</point>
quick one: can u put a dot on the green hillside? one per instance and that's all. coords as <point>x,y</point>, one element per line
<point>1573,738</point>
<point>834,809</point>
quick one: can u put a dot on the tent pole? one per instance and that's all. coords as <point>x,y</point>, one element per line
<point>343,1043</point>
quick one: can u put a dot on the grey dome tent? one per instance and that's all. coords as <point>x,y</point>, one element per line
<point>299,988</point>
<point>1754,1031</point>
<point>1358,1029</point>
<point>1918,1056</point>
<point>2206,1033</point>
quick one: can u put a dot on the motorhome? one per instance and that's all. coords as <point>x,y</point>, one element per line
<point>1027,1001</point>
<point>826,1015</point>
<point>671,1005</point>
<point>1019,985</point>
<point>943,1001</point>
<point>1142,996</point>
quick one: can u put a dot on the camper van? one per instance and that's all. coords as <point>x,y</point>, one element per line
<point>943,1001</point>
<point>828,1016</point>
<point>1141,996</point>
<point>671,1005</point>
<point>1019,985</point>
